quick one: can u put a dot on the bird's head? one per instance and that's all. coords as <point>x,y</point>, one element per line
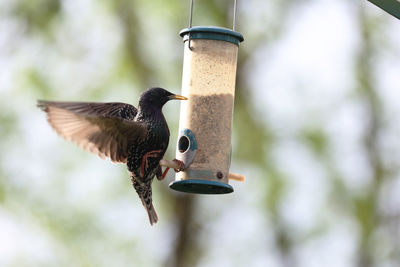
<point>156,97</point>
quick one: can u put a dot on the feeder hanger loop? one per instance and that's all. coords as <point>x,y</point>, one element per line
<point>191,20</point>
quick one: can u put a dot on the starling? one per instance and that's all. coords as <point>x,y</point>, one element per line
<point>119,131</point>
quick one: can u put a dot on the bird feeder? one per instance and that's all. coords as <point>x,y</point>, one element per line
<point>205,126</point>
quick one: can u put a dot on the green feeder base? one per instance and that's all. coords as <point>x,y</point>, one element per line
<point>201,187</point>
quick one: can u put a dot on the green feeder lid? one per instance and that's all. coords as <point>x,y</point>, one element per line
<point>212,33</point>
<point>201,187</point>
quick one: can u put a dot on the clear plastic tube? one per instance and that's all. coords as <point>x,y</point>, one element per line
<point>208,80</point>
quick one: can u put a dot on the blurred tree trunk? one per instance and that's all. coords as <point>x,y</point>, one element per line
<point>141,68</point>
<point>186,250</point>
<point>367,204</point>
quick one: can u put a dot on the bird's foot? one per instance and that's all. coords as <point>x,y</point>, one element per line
<point>145,164</point>
<point>177,165</point>
<point>181,165</point>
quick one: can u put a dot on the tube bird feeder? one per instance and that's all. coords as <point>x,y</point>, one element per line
<point>205,126</point>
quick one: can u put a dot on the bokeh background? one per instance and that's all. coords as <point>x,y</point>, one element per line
<point>316,133</point>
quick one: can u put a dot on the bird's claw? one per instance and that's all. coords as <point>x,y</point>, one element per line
<point>181,165</point>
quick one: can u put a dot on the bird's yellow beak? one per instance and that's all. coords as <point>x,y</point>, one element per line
<point>178,97</point>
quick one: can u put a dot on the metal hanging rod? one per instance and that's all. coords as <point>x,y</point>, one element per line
<point>191,14</point>
<point>234,15</point>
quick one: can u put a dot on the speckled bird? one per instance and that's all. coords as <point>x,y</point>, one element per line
<point>119,131</point>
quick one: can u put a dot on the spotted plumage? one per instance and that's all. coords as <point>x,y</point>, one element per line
<point>119,131</point>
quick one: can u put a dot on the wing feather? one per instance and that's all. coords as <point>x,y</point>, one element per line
<point>105,129</point>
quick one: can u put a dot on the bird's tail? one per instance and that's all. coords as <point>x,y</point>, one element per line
<point>145,194</point>
<point>148,205</point>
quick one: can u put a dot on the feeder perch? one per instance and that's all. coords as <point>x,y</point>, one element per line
<point>205,126</point>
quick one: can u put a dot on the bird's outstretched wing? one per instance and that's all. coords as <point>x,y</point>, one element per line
<point>105,129</point>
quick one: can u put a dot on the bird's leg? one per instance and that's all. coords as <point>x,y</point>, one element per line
<point>177,164</point>
<point>145,164</point>
<point>164,174</point>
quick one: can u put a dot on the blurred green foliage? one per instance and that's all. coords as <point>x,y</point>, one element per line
<point>301,203</point>
<point>37,16</point>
